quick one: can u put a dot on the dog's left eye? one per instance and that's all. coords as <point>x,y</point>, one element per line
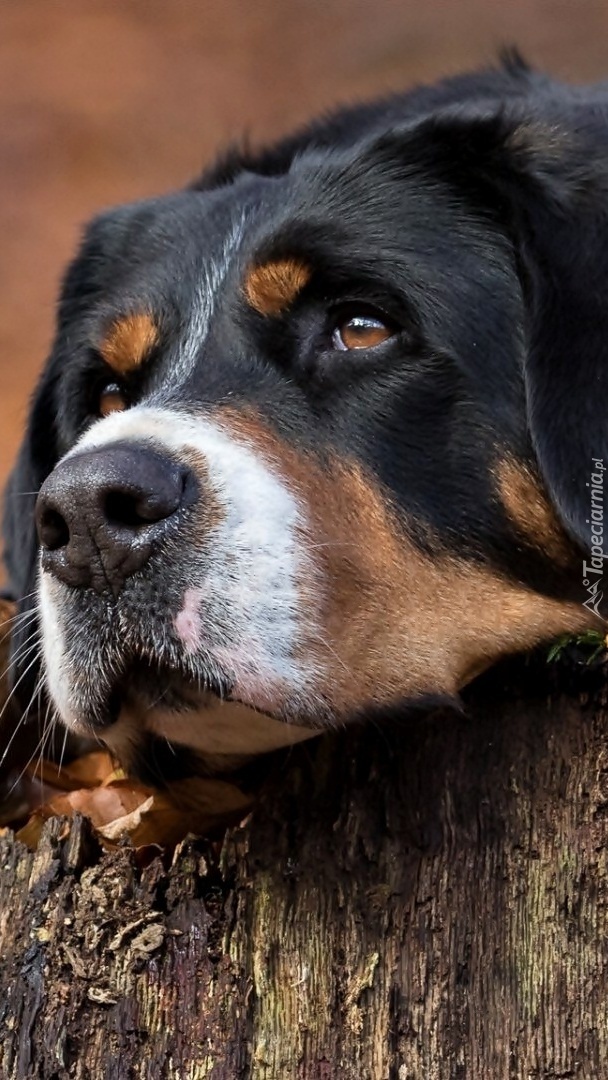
<point>360,331</point>
<point>112,398</point>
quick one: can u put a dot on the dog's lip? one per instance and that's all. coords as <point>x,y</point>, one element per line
<point>179,692</point>
<point>206,723</point>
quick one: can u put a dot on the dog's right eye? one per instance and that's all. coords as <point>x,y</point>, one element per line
<point>359,326</point>
<point>112,398</point>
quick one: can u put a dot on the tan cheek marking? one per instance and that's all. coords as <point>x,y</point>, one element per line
<point>398,621</point>
<point>530,511</point>
<point>406,621</point>
<point>129,342</point>
<point>273,287</point>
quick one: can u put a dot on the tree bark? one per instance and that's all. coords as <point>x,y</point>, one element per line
<point>424,903</point>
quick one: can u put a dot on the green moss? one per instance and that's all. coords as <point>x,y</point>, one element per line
<point>593,641</point>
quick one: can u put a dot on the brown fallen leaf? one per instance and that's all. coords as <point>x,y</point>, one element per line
<point>196,805</point>
<point>125,809</point>
<point>88,771</point>
<point>100,805</point>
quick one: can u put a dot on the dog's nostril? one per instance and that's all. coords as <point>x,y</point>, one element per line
<point>53,529</point>
<point>144,507</point>
<point>123,509</point>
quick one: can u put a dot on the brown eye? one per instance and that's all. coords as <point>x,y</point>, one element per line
<point>112,398</point>
<point>360,332</point>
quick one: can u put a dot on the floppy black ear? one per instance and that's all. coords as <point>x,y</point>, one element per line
<point>37,457</point>
<point>40,449</point>
<point>547,187</point>
<point>566,371</point>
<point>561,229</point>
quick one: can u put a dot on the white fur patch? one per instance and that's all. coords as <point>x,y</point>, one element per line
<point>213,277</point>
<point>56,661</point>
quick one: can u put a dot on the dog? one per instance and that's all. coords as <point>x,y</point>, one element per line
<point>317,434</point>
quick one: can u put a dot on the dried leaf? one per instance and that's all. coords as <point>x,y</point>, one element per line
<point>195,805</point>
<point>88,771</point>
<point>30,833</point>
<point>101,805</point>
<point>127,824</point>
<point>150,819</point>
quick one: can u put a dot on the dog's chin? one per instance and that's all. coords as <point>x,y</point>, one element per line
<point>214,727</point>
<point>147,704</point>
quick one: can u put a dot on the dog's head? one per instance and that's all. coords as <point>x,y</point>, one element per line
<point>316,436</point>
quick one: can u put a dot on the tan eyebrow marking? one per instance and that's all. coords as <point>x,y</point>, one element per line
<point>129,342</point>
<point>273,287</point>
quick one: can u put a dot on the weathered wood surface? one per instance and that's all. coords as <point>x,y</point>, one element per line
<point>429,904</point>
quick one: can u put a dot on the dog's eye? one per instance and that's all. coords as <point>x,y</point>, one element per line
<point>360,332</point>
<point>112,398</point>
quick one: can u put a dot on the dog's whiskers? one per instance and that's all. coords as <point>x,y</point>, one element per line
<point>26,647</point>
<point>17,622</point>
<point>48,728</point>
<point>37,755</point>
<point>25,712</point>
<point>63,745</point>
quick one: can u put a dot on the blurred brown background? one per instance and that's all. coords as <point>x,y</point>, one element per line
<point>103,101</point>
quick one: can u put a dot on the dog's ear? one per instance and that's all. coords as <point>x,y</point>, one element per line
<point>41,446</point>
<point>548,190</point>
<point>37,457</point>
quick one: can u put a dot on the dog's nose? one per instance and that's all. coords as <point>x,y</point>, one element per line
<point>102,513</point>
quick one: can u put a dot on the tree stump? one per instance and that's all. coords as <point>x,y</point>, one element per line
<point>421,903</point>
